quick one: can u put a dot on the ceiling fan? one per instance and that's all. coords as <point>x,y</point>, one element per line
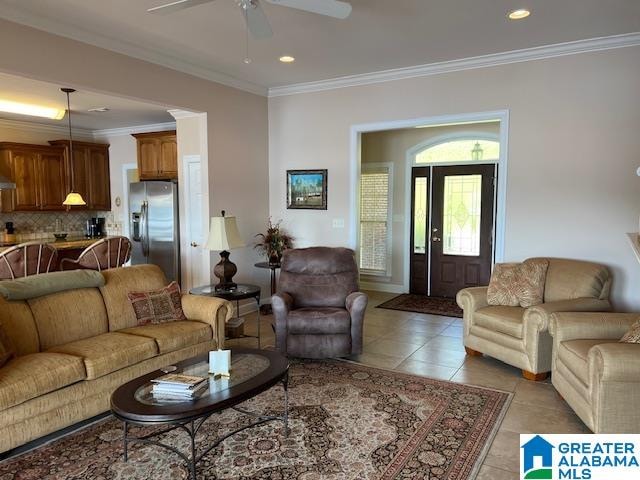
<point>254,16</point>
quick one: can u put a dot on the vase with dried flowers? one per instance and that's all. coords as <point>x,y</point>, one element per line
<point>274,242</point>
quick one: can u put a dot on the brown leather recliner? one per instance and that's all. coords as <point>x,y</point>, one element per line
<point>318,309</point>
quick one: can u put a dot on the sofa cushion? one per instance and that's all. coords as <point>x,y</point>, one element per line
<point>69,316</point>
<point>571,279</point>
<point>119,282</point>
<point>574,354</point>
<point>20,326</point>
<point>158,306</point>
<point>109,352</point>
<point>507,320</point>
<point>30,376</point>
<point>174,335</point>
<point>320,321</point>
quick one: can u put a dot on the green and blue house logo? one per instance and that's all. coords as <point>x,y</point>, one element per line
<point>580,457</point>
<point>537,459</point>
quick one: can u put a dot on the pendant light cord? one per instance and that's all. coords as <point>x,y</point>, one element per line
<point>73,180</point>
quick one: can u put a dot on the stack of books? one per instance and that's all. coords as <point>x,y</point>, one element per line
<point>177,385</point>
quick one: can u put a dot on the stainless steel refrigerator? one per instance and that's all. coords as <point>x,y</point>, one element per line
<point>153,211</point>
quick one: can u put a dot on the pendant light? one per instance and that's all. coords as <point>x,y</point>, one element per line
<point>73,198</point>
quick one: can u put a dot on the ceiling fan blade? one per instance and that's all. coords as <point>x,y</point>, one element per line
<point>257,22</point>
<point>330,8</point>
<point>177,5</point>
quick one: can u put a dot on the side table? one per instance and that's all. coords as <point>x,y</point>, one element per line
<point>241,292</point>
<point>273,267</point>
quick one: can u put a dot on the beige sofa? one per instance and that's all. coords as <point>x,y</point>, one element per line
<point>75,347</point>
<point>596,375</point>
<point>519,336</point>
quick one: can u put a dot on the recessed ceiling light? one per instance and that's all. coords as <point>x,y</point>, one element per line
<point>287,59</point>
<point>99,109</point>
<point>519,14</point>
<point>31,110</point>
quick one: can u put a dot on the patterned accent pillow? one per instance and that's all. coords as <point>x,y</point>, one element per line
<point>503,286</point>
<point>633,334</point>
<point>6,347</point>
<point>533,274</point>
<point>518,284</point>
<point>158,306</point>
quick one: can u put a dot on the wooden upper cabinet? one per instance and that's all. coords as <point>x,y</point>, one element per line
<point>99,184</point>
<point>39,174</point>
<point>52,180</point>
<point>88,173</point>
<point>157,155</point>
<point>24,172</point>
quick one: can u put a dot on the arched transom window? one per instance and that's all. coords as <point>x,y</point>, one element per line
<point>460,150</point>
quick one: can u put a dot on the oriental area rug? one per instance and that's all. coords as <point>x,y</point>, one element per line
<point>348,422</point>
<point>409,302</point>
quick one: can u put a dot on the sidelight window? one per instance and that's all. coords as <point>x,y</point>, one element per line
<point>375,224</point>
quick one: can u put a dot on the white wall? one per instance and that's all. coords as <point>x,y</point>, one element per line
<point>573,151</point>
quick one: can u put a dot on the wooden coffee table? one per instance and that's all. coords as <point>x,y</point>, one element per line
<point>252,372</point>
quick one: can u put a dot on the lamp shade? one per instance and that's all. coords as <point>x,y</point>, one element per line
<point>74,199</point>
<point>224,234</point>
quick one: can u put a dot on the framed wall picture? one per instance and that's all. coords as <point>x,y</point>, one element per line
<point>307,189</point>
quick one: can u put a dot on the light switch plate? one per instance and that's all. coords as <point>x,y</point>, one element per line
<point>338,223</point>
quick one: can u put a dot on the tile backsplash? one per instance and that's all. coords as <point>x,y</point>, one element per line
<point>41,225</point>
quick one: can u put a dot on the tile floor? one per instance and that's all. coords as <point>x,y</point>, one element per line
<point>431,345</point>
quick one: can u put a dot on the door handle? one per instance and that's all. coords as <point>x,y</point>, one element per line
<point>194,244</point>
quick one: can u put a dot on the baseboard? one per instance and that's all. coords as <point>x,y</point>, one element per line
<point>382,287</point>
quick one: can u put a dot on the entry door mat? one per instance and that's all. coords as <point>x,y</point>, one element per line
<point>409,302</point>
<point>348,421</point>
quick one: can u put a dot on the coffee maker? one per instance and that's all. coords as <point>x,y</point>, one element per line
<point>95,227</point>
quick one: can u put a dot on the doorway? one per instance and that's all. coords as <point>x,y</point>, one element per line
<point>452,228</point>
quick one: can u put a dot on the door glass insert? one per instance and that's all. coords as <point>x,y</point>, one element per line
<point>461,219</point>
<point>420,215</point>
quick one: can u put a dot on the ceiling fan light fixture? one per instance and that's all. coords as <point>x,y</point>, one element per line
<point>518,14</point>
<point>287,59</point>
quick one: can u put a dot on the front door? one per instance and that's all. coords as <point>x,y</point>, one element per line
<point>452,228</point>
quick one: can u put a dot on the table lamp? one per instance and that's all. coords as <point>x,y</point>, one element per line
<point>223,236</point>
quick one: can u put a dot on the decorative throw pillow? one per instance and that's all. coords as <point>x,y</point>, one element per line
<point>504,285</point>
<point>158,306</point>
<point>6,348</point>
<point>518,284</point>
<point>633,335</point>
<point>532,275</point>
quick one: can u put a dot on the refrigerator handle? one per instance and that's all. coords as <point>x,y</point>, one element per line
<point>144,217</point>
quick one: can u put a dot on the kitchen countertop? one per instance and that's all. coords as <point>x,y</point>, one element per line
<point>66,244</point>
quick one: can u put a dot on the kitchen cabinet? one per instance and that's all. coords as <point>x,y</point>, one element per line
<point>39,174</point>
<point>157,155</point>
<point>88,173</point>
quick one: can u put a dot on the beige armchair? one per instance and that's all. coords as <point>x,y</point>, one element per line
<point>519,336</point>
<point>596,375</point>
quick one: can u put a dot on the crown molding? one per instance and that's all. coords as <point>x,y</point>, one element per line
<point>54,26</point>
<point>483,61</point>
<point>122,131</point>
<point>180,114</point>
<point>58,130</point>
